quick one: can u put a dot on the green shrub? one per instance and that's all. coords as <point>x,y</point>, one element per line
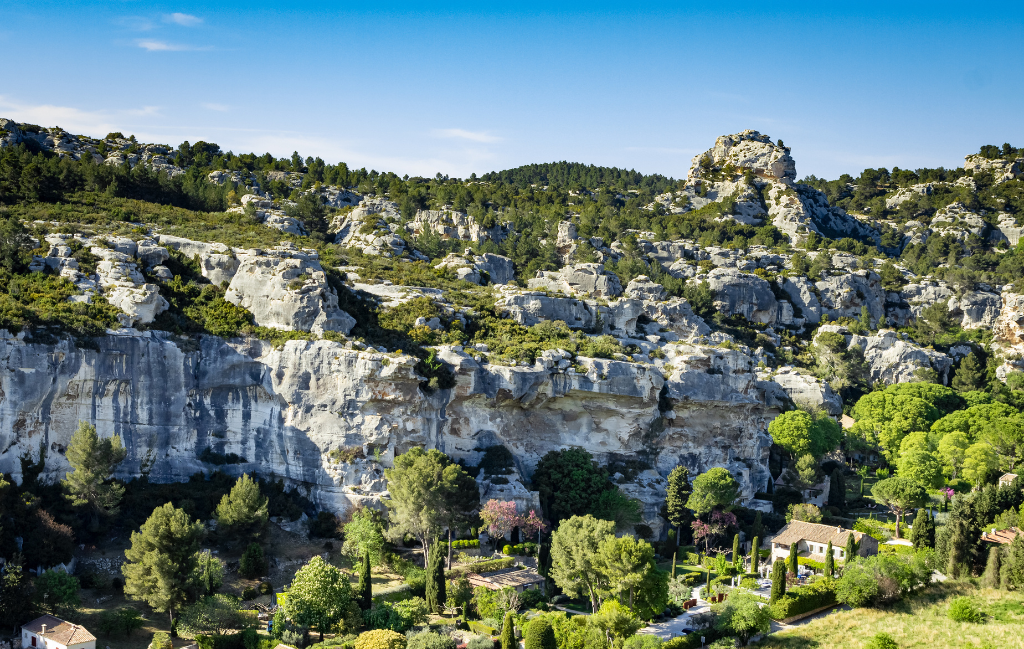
<point>480,627</point>
<point>882,641</point>
<point>962,609</point>
<point>540,635</point>
<point>380,639</point>
<point>480,642</point>
<point>506,549</point>
<point>250,592</point>
<point>803,599</point>
<point>161,641</point>
<point>430,640</point>
<point>253,562</point>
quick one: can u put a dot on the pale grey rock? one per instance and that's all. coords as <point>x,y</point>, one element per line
<point>808,392</point>
<point>803,298</point>
<point>565,241</point>
<point>642,288</point>
<point>976,309</point>
<point>471,267</point>
<point>163,273</point>
<point>893,358</point>
<point>1002,169</point>
<point>676,317</point>
<point>743,294</point>
<point>747,150</point>
<point>151,254</point>
<point>579,279</point>
<point>904,194</point>
<point>450,224</point>
<point>843,295</point>
<point>285,288</point>
<point>217,262</point>
<point>1008,330</point>
<point>1007,230</point>
<point>957,220</point>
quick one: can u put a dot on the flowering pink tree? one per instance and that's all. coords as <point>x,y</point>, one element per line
<point>501,517</point>
<point>717,524</point>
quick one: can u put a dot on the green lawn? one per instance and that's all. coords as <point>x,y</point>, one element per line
<point>919,622</point>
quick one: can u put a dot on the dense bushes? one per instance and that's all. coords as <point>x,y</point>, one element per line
<point>803,599</point>
<point>380,639</point>
<point>880,579</point>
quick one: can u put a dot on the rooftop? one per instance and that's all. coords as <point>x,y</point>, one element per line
<point>797,531</point>
<point>509,577</point>
<point>1003,537</point>
<point>59,631</point>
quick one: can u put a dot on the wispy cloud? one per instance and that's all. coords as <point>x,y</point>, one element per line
<point>73,120</point>
<point>164,46</point>
<point>135,23</point>
<point>185,20</point>
<point>462,134</point>
<point>223,108</point>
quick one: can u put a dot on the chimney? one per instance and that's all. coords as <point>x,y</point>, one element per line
<point>43,632</point>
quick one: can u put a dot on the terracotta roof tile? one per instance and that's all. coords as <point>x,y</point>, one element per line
<point>815,532</point>
<point>59,631</point>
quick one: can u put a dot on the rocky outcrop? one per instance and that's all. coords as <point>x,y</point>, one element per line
<point>1008,329</point>
<point>674,320</point>
<point>217,262</point>
<point>642,288</point>
<point>738,293</point>
<point>746,150</point>
<point>976,309</point>
<point>532,307</point>
<point>480,269</point>
<point>450,224</point>
<point>844,295</point>
<point>803,390</point>
<point>803,298</point>
<point>580,279</point>
<point>286,288</point>
<point>893,358</point>
<point>1002,169</point>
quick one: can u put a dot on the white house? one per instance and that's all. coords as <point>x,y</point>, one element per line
<point>812,540</point>
<point>48,632</point>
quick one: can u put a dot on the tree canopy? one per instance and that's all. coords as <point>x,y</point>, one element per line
<point>92,462</point>
<point>162,559</point>
<point>715,488</point>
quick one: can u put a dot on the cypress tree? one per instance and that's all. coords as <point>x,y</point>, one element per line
<point>436,595</point>
<point>830,562</point>
<point>508,633</point>
<point>676,495</point>
<point>674,565</point>
<point>837,490</point>
<point>737,558</point>
<point>778,580</point>
<point>364,591</point>
<point>792,562</point>
<point>755,556</point>
<point>851,547</point>
<point>991,577</point>
<point>923,532</point>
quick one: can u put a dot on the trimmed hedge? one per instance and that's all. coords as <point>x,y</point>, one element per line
<point>810,563</point>
<point>491,565</point>
<point>481,628</point>
<point>803,599</point>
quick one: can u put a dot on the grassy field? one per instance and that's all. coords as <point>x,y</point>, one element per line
<point>918,622</point>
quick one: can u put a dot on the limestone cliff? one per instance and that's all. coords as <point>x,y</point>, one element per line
<point>284,410</point>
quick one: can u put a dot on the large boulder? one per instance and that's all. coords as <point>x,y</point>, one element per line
<point>642,288</point>
<point>1008,330</point>
<point>450,224</point>
<point>808,392</point>
<point>125,288</point>
<point>472,268</point>
<point>286,288</point>
<point>1002,169</point>
<point>743,294</point>
<point>844,295</point>
<point>217,262</point>
<point>675,317</point>
<point>976,309</point>
<point>803,298</point>
<point>893,358</point>
<point>579,279</point>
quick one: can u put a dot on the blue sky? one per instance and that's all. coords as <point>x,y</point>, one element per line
<point>421,88</point>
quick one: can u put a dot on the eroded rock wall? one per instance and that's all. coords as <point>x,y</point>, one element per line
<point>285,409</point>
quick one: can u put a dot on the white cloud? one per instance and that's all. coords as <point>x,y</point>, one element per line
<point>185,20</point>
<point>135,23</point>
<point>73,120</point>
<point>462,134</point>
<point>223,108</point>
<point>164,46</point>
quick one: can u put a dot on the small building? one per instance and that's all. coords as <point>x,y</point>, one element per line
<point>812,539</point>
<point>1007,479</point>
<point>1002,537</point>
<point>518,578</point>
<point>49,632</point>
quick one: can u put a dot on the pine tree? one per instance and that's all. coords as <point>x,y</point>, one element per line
<point>436,595</point>
<point>837,490</point>
<point>737,558</point>
<point>508,633</point>
<point>990,579</point>
<point>755,555</point>
<point>778,580</point>
<point>364,591</point>
<point>1012,571</point>
<point>93,461</point>
<point>677,493</point>
<point>792,563</point>
<point>970,375</point>
<point>162,558</point>
<point>830,562</point>
<point>851,548</point>
<point>242,513</point>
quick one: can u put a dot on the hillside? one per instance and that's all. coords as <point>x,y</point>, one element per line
<point>207,305</point>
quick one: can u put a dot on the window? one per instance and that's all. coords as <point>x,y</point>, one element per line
<point>33,641</point>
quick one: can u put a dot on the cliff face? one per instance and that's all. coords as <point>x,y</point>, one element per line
<point>284,410</point>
